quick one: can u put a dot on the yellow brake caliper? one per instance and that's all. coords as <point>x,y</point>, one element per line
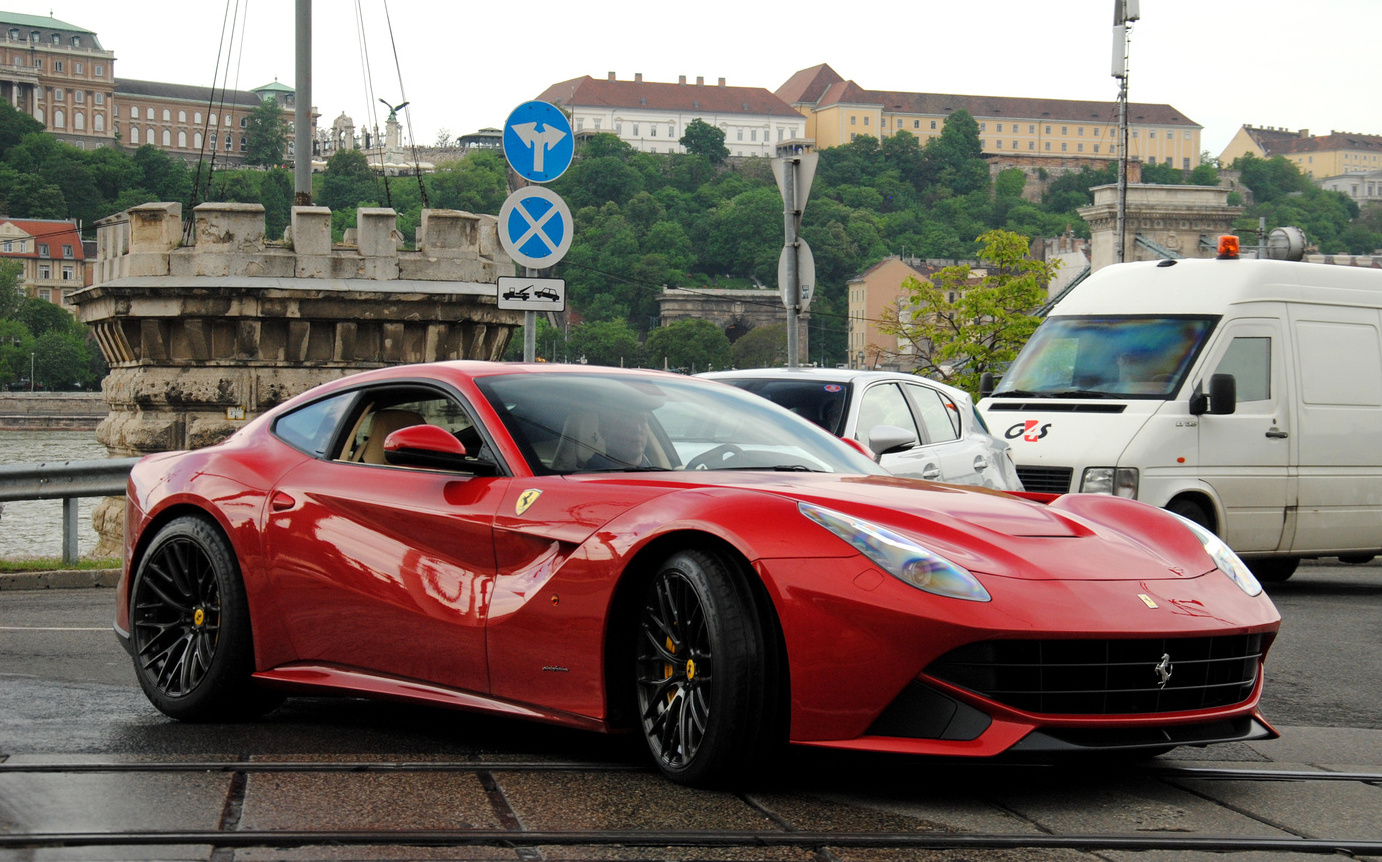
<point>667,669</point>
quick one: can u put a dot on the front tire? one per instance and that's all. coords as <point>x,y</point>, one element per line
<point>1273,570</point>
<point>701,671</point>
<point>190,626</point>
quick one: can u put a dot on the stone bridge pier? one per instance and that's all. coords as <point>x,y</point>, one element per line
<point>202,338</point>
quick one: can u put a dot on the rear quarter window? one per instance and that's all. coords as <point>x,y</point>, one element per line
<point>311,428</point>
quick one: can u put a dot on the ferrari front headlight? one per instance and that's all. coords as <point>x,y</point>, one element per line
<point>1224,558</point>
<point>899,556</point>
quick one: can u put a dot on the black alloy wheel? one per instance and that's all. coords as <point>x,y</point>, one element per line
<point>700,671</point>
<point>190,626</point>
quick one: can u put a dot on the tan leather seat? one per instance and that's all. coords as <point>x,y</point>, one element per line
<point>382,424</point>
<point>580,438</point>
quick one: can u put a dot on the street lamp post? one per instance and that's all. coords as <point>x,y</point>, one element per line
<point>31,371</point>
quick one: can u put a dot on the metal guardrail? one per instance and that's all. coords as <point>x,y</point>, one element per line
<point>68,481</point>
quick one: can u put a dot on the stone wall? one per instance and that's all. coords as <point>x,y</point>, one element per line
<point>51,411</point>
<point>201,338</point>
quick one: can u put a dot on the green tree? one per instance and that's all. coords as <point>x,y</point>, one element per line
<point>606,342</point>
<point>954,159</point>
<point>42,317</point>
<point>348,181</point>
<point>703,139</point>
<point>477,183</point>
<point>16,343</point>
<point>268,135</point>
<point>1270,179</point>
<point>689,345</point>
<point>11,296</point>
<point>62,360</point>
<point>762,347</point>
<point>988,321</point>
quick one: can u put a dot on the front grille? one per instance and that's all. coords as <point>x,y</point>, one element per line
<point>1045,480</point>
<point>1107,677</point>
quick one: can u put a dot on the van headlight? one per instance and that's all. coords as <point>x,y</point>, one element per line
<point>1224,557</point>
<point>899,556</point>
<point>1118,481</point>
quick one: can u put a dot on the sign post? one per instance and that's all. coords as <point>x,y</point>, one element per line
<point>796,268</point>
<point>535,225</point>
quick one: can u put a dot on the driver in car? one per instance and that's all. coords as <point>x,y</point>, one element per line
<point>625,433</point>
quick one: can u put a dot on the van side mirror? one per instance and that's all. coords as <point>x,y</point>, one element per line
<point>1223,394</point>
<point>1222,399</point>
<point>986,384</point>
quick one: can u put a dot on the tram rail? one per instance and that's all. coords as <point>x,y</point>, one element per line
<point>782,835</point>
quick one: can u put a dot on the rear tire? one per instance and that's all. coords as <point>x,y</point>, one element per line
<point>701,673</point>
<point>1191,511</point>
<point>190,627</point>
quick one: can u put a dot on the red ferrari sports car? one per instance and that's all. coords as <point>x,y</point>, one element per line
<point>634,550</point>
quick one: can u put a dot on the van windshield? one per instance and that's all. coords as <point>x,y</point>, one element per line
<point>1107,357</point>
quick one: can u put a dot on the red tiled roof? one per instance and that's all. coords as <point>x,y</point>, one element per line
<point>1006,107</point>
<point>588,92</point>
<point>54,234</point>
<point>808,85</point>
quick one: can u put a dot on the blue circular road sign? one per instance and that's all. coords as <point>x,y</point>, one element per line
<point>535,227</point>
<point>538,142</point>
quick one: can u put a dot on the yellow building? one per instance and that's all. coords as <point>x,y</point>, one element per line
<point>1317,156</point>
<point>877,293</point>
<point>838,111</point>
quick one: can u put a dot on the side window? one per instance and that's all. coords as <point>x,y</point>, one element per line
<point>938,413</point>
<point>311,428</point>
<point>884,404</point>
<point>387,410</point>
<point>1249,360</point>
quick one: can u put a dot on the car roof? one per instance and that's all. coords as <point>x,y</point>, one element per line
<point>835,375</point>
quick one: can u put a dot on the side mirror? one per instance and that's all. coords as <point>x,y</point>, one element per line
<point>1223,394</point>
<point>986,384</point>
<point>425,446</point>
<point>886,439</point>
<point>1222,399</point>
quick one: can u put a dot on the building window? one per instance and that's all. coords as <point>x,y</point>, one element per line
<point>1079,148</point>
<point>68,273</point>
<point>1134,132</point>
<point>1048,146</point>
<point>148,113</point>
<point>597,124</point>
<point>76,41</point>
<point>99,71</point>
<point>57,39</point>
<point>244,143</point>
<point>79,122</point>
<point>1065,130</point>
<point>98,122</point>
<point>1031,145</point>
<point>59,95</point>
<point>149,136</point>
<point>1031,129</point>
<point>738,134</point>
<point>77,67</point>
<point>998,145</point>
<point>1185,164</point>
<point>853,119</point>
<point>933,125</point>
<point>45,271</point>
<point>618,128</point>
<point>753,133</point>
<point>213,119</point>
<point>182,116</point>
<point>916,124</point>
<point>57,65</point>
<point>100,98</point>
<point>167,138</point>
<point>134,135</point>
<point>1048,130</point>
<point>38,63</point>
<point>134,112</point>
<point>1064,147</point>
<point>635,130</point>
<point>182,139</point>
<point>9,246</point>
<point>983,127</point>
<point>1168,161</point>
<point>244,122</point>
<point>228,143</point>
<point>1014,145</point>
<point>1080,131</point>
<point>1096,148</point>
<point>671,130</point>
<point>1151,133</point>
<point>866,121</point>
<point>59,120</point>
<point>652,130</point>
<point>1096,131</point>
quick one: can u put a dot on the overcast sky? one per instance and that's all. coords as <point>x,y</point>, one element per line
<point>466,65</point>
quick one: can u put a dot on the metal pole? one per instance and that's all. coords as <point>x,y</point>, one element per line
<point>1120,232</point>
<point>31,371</point>
<point>69,530</point>
<point>789,244</point>
<point>302,110</point>
<point>529,326</point>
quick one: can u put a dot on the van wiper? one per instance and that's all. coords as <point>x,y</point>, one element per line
<point>1052,393</point>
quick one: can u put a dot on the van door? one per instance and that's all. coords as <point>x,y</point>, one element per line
<point>1246,456</point>
<point>1339,377</point>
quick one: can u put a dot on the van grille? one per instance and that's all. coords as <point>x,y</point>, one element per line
<point>1045,480</point>
<point>1107,677</point>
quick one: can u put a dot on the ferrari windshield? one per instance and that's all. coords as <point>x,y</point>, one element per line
<point>592,422</point>
<point>1104,357</point>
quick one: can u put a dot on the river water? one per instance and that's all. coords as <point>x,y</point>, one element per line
<point>33,528</point>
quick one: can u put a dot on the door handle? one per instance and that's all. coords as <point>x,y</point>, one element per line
<point>930,472</point>
<point>1277,434</point>
<point>281,502</point>
<point>980,463</point>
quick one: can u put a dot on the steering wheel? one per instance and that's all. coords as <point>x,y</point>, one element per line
<point>716,458</point>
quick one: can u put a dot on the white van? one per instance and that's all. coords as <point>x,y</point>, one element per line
<point>1243,394</point>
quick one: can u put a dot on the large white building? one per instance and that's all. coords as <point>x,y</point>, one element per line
<point>652,117</point>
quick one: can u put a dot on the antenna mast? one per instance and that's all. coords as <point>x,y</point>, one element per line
<point>1124,13</point>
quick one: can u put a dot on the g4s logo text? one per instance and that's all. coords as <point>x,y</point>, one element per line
<point>1028,431</point>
